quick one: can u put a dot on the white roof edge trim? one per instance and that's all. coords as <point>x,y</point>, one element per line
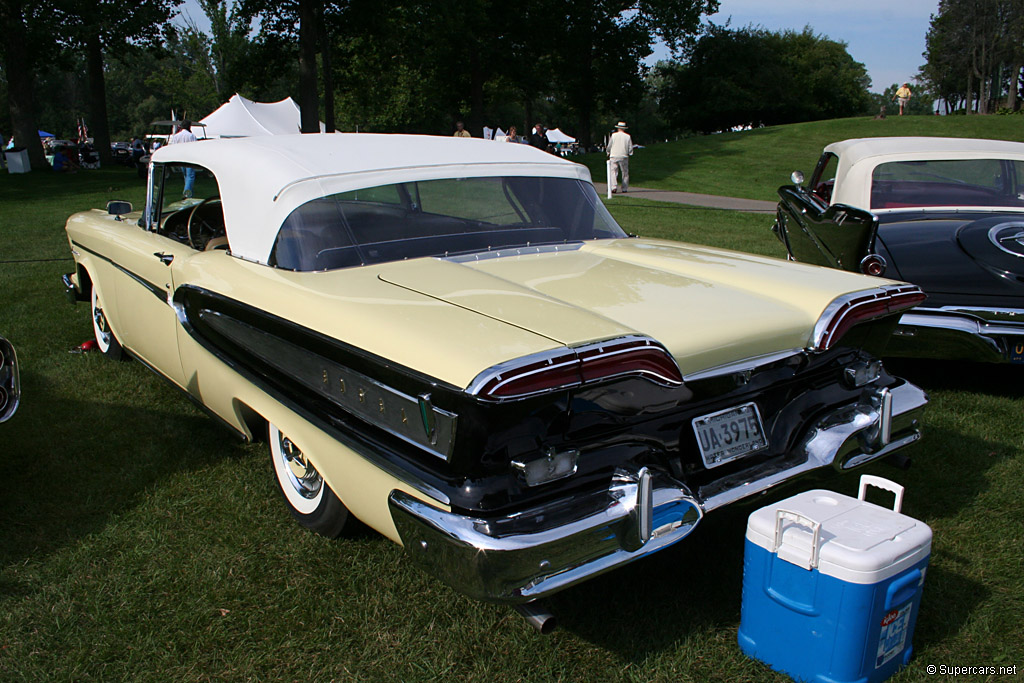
<point>398,174</point>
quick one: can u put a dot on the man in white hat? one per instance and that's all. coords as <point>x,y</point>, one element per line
<point>620,147</point>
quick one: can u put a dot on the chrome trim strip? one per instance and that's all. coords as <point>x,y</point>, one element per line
<point>412,419</point>
<point>959,320</point>
<point>844,305</point>
<point>154,289</point>
<point>949,209</point>
<point>496,371</point>
<point>742,366</point>
<point>515,251</point>
<point>539,551</point>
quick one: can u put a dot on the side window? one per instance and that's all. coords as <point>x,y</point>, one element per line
<point>186,206</point>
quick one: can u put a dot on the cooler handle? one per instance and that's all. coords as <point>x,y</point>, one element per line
<point>867,480</point>
<point>803,520</point>
<point>902,589</point>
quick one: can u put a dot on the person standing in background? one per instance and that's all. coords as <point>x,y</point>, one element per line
<point>903,94</point>
<point>620,147</point>
<point>185,134</point>
<point>460,130</point>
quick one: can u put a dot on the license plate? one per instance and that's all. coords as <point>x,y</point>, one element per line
<point>1016,352</point>
<point>729,434</point>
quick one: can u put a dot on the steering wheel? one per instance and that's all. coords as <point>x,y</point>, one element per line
<point>200,229</point>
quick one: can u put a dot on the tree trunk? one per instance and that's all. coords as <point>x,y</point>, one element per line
<point>1011,96</point>
<point>325,62</point>
<point>97,98</point>
<point>969,104</point>
<point>19,71</point>
<point>308,101</point>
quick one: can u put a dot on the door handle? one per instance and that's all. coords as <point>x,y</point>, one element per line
<point>164,258</point>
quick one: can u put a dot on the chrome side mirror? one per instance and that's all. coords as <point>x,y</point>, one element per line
<point>797,177</point>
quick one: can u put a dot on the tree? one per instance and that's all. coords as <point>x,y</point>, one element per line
<point>96,29</point>
<point>754,77</point>
<point>27,29</point>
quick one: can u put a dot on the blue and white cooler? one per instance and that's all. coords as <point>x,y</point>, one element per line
<point>832,585</point>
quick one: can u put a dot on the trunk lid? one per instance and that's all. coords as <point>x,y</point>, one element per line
<point>707,306</point>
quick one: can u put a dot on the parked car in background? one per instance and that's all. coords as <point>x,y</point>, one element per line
<point>944,213</point>
<point>10,380</point>
<point>121,152</point>
<point>453,341</point>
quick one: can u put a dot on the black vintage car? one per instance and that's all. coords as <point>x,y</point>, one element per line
<point>945,214</point>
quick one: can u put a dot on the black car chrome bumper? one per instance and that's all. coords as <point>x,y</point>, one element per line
<point>991,335</point>
<point>537,552</point>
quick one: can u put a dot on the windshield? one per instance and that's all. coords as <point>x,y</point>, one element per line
<point>438,218</point>
<point>962,182</point>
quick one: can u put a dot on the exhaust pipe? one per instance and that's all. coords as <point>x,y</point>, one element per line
<point>538,617</point>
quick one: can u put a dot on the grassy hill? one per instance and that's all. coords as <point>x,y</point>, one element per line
<point>752,164</point>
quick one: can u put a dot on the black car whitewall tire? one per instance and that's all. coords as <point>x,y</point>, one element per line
<point>308,497</point>
<point>105,339</point>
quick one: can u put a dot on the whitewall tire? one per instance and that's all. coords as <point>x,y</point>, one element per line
<point>308,497</point>
<point>105,339</point>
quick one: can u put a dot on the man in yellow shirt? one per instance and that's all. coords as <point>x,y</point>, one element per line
<point>460,130</point>
<point>903,95</point>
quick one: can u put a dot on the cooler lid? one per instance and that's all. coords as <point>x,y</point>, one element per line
<point>857,541</point>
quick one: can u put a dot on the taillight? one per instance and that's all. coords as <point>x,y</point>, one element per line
<point>873,264</point>
<point>573,366</point>
<point>851,309</point>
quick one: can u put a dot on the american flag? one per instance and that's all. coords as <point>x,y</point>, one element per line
<point>83,131</point>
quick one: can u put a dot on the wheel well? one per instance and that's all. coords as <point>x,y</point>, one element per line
<point>254,423</point>
<point>84,281</point>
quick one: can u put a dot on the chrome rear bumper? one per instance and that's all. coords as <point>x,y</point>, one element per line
<point>536,552</point>
<point>991,335</point>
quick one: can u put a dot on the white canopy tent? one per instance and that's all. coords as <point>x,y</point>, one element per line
<point>556,135</point>
<point>239,118</point>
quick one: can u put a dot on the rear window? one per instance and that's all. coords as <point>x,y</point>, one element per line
<point>962,182</point>
<point>438,218</point>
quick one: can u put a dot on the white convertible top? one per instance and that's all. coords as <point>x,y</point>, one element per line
<point>858,158</point>
<point>263,179</point>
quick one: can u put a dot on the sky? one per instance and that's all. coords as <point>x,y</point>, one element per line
<point>886,36</point>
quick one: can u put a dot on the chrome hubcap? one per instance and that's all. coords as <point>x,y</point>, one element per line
<point>301,473</point>
<point>101,325</point>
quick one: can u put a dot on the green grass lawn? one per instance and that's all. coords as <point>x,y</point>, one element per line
<point>753,164</point>
<point>141,542</point>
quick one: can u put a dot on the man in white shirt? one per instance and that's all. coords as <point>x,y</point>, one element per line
<point>185,134</point>
<point>620,147</point>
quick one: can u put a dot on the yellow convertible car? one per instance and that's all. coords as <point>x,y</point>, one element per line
<point>454,342</point>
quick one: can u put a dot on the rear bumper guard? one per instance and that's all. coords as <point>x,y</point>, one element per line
<point>534,553</point>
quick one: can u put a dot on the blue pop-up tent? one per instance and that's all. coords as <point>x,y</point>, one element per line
<point>44,134</point>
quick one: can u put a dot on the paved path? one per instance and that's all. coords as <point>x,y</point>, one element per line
<point>693,199</point>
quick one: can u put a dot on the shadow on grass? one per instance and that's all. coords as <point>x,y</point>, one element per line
<point>72,464</point>
<point>990,378</point>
